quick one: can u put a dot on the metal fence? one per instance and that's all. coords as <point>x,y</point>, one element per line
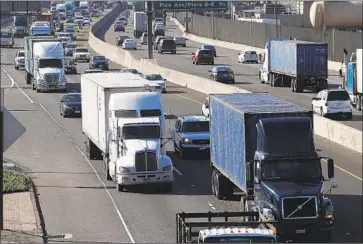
<point>256,34</point>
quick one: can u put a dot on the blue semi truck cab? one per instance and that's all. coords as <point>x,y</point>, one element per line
<point>297,64</point>
<point>264,146</point>
<point>351,73</point>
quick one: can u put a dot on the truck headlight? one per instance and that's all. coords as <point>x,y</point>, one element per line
<point>186,141</point>
<point>268,214</point>
<point>166,168</point>
<point>329,211</point>
<point>124,170</point>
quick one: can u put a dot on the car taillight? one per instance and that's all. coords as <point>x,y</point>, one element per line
<point>326,104</point>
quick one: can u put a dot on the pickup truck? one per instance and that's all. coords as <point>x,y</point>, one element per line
<point>190,227</point>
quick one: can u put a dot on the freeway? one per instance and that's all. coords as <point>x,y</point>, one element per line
<point>246,74</point>
<point>78,203</point>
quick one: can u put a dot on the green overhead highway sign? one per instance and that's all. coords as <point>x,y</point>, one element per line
<point>187,5</point>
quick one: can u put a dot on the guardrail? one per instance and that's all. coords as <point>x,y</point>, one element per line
<point>326,128</point>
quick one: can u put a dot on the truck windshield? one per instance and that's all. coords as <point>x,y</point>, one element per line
<point>6,34</point>
<point>50,63</point>
<point>195,126</point>
<point>255,239</point>
<point>21,21</point>
<point>292,170</point>
<point>141,132</point>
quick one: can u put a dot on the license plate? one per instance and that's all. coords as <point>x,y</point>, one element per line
<point>77,112</point>
<point>147,179</point>
<point>101,65</point>
<point>302,231</point>
<point>202,148</point>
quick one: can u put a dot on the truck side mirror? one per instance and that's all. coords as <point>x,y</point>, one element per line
<point>345,51</point>
<point>340,72</point>
<point>330,163</point>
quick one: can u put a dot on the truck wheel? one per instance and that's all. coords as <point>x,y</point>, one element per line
<point>120,188</point>
<point>293,85</point>
<point>93,152</point>
<point>299,87</point>
<point>217,186</point>
<point>182,154</point>
<point>108,176</point>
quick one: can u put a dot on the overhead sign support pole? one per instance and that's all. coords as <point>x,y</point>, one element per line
<point>149,13</point>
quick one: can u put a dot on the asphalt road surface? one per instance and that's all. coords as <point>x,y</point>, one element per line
<point>76,199</point>
<point>246,74</point>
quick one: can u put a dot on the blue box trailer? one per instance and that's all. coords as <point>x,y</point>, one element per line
<point>351,81</point>
<point>298,64</point>
<point>233,131</point>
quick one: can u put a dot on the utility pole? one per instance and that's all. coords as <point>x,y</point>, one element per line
<point>149,13</point>
<point>1,158</point>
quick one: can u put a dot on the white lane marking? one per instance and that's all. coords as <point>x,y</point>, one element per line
<point>211,206</point>
<point>11,79</point>
<point>94,170</point>
<point>13,83</point>
<point>178,172</point>
<point>190,99</point>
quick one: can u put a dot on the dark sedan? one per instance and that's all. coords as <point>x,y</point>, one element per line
<point>222,74</point>
<point>98,62</point>
<point>210,47</point>
<point>121,39</point>
<point>70,105</point>
<point>119,27</point>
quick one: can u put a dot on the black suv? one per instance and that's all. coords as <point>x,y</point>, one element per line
<point>167,45</point>
<point>121,39</point>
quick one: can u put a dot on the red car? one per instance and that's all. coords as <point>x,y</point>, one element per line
<point>203,56</point>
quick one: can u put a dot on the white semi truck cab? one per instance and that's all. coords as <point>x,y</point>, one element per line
<point>44,64</point>
<point>136,153</point>
<point>124,121</point>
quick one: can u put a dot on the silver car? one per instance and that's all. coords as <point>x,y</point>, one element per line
<point>7,39</point>
<point>19,59</point>
<point>180,41</point>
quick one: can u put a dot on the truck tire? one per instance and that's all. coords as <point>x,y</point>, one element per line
<point>93,152</point>
<point>182,154</point>
<point>120,188</point>
<point>322,84</point>
<point>107,169</point>
<point>219,187</point>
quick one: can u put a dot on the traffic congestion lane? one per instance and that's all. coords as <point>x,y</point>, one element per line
<point>246,74</point>
<point>72,198</point>
<point>154,213</point>
<point>151,217</point>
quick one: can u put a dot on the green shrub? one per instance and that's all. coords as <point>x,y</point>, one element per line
<point>15,181</point>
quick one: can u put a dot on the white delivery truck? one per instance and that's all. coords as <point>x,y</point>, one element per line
<point>44,68</point>
<point>140,23</point>
<point>123,119</point>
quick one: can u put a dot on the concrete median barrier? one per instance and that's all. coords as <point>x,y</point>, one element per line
<point>326,128</point>
<point>235,46</point>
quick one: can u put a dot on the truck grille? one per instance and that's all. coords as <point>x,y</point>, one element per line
<point>201,142</point>
<point>145,161</point>
<point>299,208</point>
<point>51,78</point>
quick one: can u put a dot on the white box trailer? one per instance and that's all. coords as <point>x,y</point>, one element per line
<point>96,89</point>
